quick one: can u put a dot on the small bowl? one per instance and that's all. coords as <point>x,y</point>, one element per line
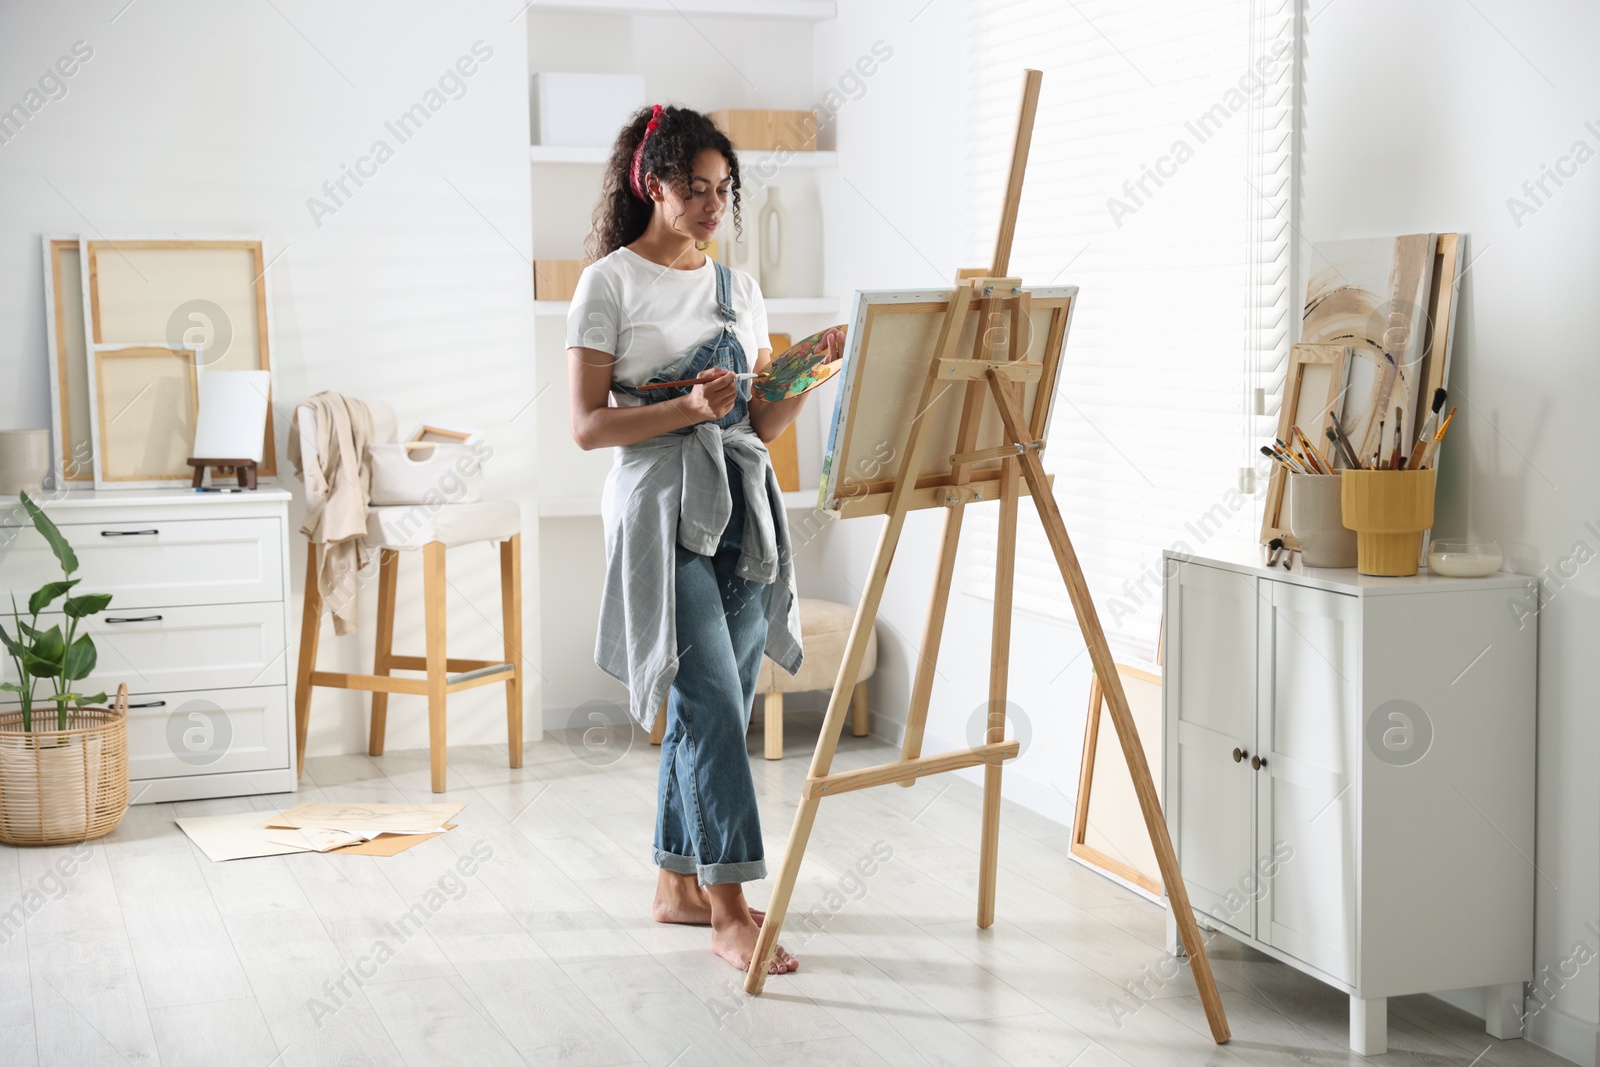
<point>1465,559</point>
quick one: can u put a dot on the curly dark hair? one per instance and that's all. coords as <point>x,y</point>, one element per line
<point>682,134</point>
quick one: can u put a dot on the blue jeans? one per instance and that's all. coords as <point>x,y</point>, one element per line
<point>707,823</point>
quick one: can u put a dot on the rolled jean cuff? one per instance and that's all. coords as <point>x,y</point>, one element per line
<point>722,873</point>
<point>671,861</point>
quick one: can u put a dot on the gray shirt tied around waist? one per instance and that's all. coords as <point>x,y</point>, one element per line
<point>673,490</point>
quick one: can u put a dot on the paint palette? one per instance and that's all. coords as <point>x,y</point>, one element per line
<point>799,369</point>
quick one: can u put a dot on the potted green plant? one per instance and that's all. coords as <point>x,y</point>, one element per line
<point>63,769</point>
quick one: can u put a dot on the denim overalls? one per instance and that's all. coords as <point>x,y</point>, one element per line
<point>707,823</point>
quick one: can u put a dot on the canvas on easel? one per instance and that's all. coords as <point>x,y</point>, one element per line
<point>973,394</point>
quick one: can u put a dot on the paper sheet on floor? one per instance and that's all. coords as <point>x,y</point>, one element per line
<point>367,820</point>
<point>233,837</point>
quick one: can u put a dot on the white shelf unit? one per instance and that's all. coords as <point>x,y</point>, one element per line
<point>748,159</point>
<point>1349,766</point>
<point>804,10</point>
<point>769,35</point>
<point>788,305</point>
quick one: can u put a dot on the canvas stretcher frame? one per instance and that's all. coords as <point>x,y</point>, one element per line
<point>864,433</point>
<point>114,447</point>
<point>71,427</point>
<point>101,321</point>
<point>1123,867</point>
<point>1302,358</point>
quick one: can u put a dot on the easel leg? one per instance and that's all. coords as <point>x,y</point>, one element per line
<point>1117,702</point>
<point>778,906</point>
<point>932,634</point>
<point>856,646</point>
<point>1005,564</point>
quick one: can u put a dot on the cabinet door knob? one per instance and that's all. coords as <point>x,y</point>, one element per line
<point>1239,754</point>
<point>1256,762</point>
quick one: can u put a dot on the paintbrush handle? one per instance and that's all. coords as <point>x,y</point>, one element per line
<point>694,381</point>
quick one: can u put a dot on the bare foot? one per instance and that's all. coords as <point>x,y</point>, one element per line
<point>681,899</point>
<point>736,942</point>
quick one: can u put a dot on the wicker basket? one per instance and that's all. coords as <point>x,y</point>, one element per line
<point>59,786</point>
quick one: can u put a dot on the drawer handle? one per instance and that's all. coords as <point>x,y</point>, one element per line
<point>142,618</point>
<point>1239,754</point>
<point>149,704</point>
<point>129,533</point>
<point>1257,762</point>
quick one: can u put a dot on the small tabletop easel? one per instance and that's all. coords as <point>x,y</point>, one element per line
<point>1001,376</point>
<point>243,471</point>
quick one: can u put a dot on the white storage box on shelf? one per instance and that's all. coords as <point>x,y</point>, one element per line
<point>583,110</point>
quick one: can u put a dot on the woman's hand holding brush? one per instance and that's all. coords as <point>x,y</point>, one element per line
<point>712,397</point>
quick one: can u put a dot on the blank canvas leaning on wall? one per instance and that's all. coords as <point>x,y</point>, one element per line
<point>71,434</point>
<point>145,399</point>
<point>183,291</point>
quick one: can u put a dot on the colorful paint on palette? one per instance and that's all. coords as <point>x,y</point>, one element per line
<point>799,369</point>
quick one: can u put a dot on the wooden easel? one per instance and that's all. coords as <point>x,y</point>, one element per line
<point>989,292</point>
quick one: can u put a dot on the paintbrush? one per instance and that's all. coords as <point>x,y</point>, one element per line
<point>1394,462</point>
<point>1313,451</point>
<point>1284,460</point>
<point>1427,428</point>
<point>1343,453</point>
<point>1377,453</point>
<point>740,375</point>
<point>1344,442</point>
<point>1438,437</point>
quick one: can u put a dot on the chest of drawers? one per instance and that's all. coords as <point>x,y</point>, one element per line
<point>197,627</point>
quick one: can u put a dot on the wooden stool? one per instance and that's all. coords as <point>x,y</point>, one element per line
<point>825,629</point>
<point>392,530</point>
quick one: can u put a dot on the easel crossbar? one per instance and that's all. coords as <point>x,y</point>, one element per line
<point>905,770</point>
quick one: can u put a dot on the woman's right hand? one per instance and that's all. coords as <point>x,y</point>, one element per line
<point>712,396</point>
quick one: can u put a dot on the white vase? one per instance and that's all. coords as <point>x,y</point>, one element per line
<point>774,231</point>
<point>24,461</point>
<point>745,252</point>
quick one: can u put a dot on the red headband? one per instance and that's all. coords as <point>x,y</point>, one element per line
<point>638,153</point>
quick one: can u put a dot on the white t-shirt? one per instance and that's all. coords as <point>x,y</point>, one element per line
<point>649,316</point>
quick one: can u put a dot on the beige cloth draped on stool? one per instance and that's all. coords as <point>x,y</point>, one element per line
<point>336,497</point>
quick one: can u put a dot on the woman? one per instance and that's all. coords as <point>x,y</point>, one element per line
<point>699,570</point>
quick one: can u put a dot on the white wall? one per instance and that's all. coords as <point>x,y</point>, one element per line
<point>198,118</point>
<point>1430,116</point>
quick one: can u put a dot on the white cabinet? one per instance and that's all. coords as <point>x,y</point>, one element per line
<point>1350,774</point>
<point>197,628</point>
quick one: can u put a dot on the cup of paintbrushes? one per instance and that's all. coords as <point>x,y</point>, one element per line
<point>1315,521</point>
<point>1389,510</point>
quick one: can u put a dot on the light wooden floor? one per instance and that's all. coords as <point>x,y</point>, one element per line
<point>153,954</point>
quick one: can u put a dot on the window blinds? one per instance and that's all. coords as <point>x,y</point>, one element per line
<point>1159,181</point>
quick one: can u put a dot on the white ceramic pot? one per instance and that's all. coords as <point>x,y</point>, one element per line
<point>1314,520</point>
<point>24,461</point>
